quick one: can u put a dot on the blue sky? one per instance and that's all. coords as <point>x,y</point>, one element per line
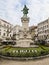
<point>10,10</point>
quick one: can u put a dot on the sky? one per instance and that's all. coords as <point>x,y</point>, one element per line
<point>10,10</point>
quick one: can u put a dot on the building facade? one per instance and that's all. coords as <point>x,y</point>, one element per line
<point>43,30</point>
<point>5,29</point>
<point>33,31</point>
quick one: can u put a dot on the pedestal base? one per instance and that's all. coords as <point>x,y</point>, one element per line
<point>25,43</point>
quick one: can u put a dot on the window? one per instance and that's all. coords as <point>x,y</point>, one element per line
<point>5,25</point>
<point>0,33</point>
<point>47,26</point>
<point>10,35</point>
<point>0,29</point>
<point>31,43</point>
<point>3,34</point>
<point>0,23</point>
<point>45,31</point>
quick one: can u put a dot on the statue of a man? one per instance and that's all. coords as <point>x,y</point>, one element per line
<point>25,10</point>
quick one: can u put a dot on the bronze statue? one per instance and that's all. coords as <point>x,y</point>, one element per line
<point>25,10</point>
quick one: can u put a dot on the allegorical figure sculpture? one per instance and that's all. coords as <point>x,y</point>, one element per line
<point>25,10</point>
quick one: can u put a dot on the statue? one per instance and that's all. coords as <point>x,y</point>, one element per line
<point>25,10</point>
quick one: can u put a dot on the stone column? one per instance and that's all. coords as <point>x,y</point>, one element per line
<point>25,23</point>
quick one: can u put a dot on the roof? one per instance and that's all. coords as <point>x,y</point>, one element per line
<point>5,21</point>
<point>43,21</point>
<point>32,27</point>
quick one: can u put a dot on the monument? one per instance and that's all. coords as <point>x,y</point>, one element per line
<point>24,39</point>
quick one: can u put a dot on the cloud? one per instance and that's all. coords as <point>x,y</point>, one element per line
<point>10,10</point>
<point>39,10</point>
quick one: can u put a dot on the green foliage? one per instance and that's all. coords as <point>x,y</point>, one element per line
<point>8,51</point>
